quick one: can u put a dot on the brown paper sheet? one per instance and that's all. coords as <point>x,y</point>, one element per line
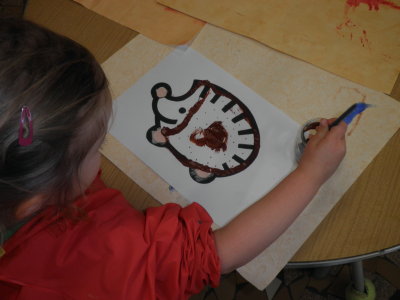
<point>357,41</point>
<point>149,18</point>
<point>299,89</point>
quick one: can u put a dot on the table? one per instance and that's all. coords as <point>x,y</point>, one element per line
<point>365,220</point>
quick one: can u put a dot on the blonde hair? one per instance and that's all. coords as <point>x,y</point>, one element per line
<point>67,93</point>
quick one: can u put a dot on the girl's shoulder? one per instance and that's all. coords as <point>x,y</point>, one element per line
<point>168,244</point>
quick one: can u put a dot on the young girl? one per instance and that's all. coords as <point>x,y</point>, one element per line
<point>67,236</point>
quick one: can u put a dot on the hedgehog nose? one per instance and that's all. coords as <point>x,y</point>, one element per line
<point>161,92</point>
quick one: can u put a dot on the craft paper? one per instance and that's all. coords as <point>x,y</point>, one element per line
<point>155,21</point>
<point>359,40</point>
<point>299,89</point>
<point>225,137</point>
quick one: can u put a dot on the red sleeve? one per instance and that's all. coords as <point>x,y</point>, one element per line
<point>182,255</point>
<point>113,252</point>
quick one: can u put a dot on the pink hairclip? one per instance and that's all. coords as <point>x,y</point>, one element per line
<point>25,127</point>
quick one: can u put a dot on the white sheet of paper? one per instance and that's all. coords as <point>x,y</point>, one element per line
<point>227,196</point>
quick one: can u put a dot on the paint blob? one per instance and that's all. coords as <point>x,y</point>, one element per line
<point>214,136</point>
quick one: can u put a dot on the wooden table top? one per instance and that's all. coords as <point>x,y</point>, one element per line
<point>365,220</point>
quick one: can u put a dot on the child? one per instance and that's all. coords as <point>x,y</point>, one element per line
<point>67,236</point>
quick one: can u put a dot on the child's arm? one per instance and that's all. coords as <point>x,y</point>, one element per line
<point>258,226</point>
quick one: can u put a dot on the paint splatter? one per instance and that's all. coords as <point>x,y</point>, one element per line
<point>372,4</point>
<point>348,29</point>
<point>347,25</point>
<point>364,39</point>
<point>387,57</point>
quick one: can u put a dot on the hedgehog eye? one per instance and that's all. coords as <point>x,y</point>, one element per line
<point>182,110</point>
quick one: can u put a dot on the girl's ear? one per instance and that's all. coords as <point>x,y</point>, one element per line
<point>29,207</point>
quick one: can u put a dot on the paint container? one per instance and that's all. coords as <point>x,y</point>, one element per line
<point>309,128</point>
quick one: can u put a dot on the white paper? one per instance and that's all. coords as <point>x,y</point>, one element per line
<point>224,197</point>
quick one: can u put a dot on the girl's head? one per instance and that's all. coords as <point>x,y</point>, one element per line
<point>67,94</point>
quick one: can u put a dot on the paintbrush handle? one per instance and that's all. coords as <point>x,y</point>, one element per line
<point>343,115</point>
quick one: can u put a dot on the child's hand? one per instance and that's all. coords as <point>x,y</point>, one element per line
<point>324,151</point>
<point>272,215</point>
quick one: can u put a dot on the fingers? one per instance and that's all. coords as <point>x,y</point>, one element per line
<point>322,130</point>
<point>323,123</point>
<point>339,131</point>
<point>331,120</point>
<point>336,132</point>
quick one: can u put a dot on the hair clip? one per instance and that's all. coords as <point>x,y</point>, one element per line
<point>25,127</point>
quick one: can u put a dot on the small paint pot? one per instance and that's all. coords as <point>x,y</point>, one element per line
<point>309,128</point>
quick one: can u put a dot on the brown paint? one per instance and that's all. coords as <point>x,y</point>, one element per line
<point>214,136</point>
<point>195,165</point>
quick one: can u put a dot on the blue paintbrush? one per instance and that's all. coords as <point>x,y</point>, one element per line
<point>350,113</point>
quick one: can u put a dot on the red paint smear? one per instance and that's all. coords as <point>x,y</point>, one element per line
<point>344,28</point>
<point>349,24</point>
<point>214,137</point>
<point>364,39</point>
<point>169,9</point>
<point>348,28</point>
<point>372,4</point>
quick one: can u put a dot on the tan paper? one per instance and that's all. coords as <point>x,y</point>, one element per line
<point>299,89</point>
<point>357,43</point>
<point>149,18</point>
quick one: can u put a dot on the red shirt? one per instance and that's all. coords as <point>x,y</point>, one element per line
<point>113,252</point>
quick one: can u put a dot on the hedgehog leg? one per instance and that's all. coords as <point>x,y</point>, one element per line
<point>201,176</point>
<point>158,137</point>
<point>155,136</point>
